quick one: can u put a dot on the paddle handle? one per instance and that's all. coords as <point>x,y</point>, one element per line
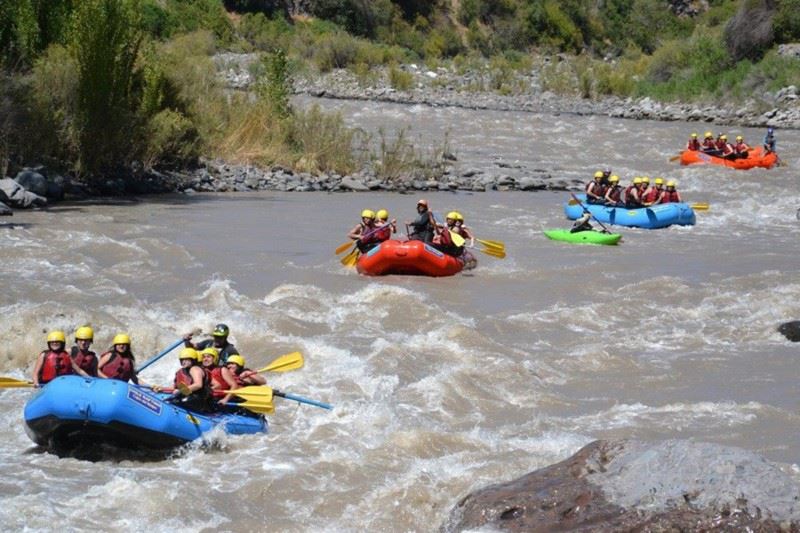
<point>300,399</point>
<point>590,213</point>
<point>159,356</point>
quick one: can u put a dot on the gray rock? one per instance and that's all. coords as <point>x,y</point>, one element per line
<point>470,172</point>
<point>791,330</point>
<point>16,196</point>
<point>56,187</point>
<point>5,211</point>
<point>352,184</point>
<point>32,181</point>
<point>531,184</point>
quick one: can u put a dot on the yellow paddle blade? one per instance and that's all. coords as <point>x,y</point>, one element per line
<point>573,201</point>
<point>351,259</point>
<point>499,254</point>
<point>457,239</point>
<point>256,393</point>
<point>675,157</point>
<point>184,390</point>
<point>492,244</point>
<point>265,408</point>
<point>8,383</point>
<point>290,361</point>
<point>700,206</point>
<point>343,247</point>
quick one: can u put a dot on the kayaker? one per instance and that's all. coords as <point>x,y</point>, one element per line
<point>709,146</point>
<point>191,375</point>
<point>582,223</point>
<point>81,354</point>
<point>218,340</point>
<point>242,374</point>
<point>364,233</point>
<point>595,189</point>
<point>218,377</point>
<point>614,193</point>
<point>654,193</point>
<point>671,195</point>
<point>54,361</point>
<point>118,362</point>
<point>769,140</point>
<point>741,149</point>
<point>694,143</point>
<point>423,225</point>
<point>387,228</point>
<point>631,196</point>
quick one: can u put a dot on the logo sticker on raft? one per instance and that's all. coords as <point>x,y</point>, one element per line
<point>434,251</point>
<point>145,400</point>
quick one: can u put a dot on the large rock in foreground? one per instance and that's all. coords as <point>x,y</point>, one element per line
<point>633,485</point>
<point>791,330</point>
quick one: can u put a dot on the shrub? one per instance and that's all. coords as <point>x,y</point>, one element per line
<point>276,85</point>
<point>171,138</point>
<point>400,79</point>
<point>786,23</point>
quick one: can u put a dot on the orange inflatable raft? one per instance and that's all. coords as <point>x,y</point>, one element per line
<point>756,158</point>
<point>413,258</point>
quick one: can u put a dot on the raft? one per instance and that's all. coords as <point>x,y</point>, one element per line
<point>657,216</point>
<point>71,410</point>
<point>756,158</point>
<point>414,258</point>
<point>583,237</point>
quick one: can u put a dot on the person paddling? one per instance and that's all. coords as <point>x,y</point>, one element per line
<point>709,146</point>
<point>242,374</point>
<point>364,233</point>
<point>54,361</point>
<point>118,362</point>
<point>219,377</point>
<point>631,196</point>
<point>671,195</point>
<point>769,140</point>
<point>423,226</point>
<point>81,354</point>
<point>582,223</point>
<point>694,143</point>
<point>386,228</point>
<point>596,189</point>
<point>191,376</point>
<point>614,194</point>
<point>724,147</point>
<point>741,150</point>
<point>218,340</point>
<point>653,194</point>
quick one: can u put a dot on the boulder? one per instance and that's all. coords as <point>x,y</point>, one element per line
<point>791,330</point>
<point>16,196</point>
<point>353,184</point>
<point>628,485</point>
<point>32,181</point>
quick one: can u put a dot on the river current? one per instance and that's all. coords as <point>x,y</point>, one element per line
<point>439,386</point>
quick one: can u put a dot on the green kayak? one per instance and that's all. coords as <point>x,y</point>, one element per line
<point>583,237</point>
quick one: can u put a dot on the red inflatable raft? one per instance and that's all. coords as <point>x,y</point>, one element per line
<point>755,158</point>
<point>413,258</point>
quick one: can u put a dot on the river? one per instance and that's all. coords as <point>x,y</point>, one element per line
<point>439,386</point>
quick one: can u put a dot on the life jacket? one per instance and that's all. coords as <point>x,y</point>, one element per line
<point>727,149</point>
<point>741,148</point>
<point>693,144</point>
<point>55,364</point>
<point>670,197</point>
<point>118,367</point>
<point>719,144</point>
<point>614,195</point>
<point>367,229</point>
<point>85,361</point>
<point>709,144</point>
<point>214,375</point>
<point>629,198</point>
<point>651,195</point>
<point>384,234</point>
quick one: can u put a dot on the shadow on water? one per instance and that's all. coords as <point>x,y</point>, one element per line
<point>92,451</point>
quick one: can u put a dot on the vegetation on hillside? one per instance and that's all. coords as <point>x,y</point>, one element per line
<point>98,84</point>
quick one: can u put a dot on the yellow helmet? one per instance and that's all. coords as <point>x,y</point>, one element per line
<point>236,359</point>
<point>708,134</point>
<point>637,180</point>
<point>739,138</point>
<point>614,179</point>
<point>383,214</point>
<point>598,174</point>
<point>452,215</point>
<point>368,213</point>
<point>121,338</point>
<point>459,216</point>
<point>189,353</point>
<point>84,333</point>
<point>693,136</point>
<point>645,179</point>
<point>659,181</point>
<point>723,137</point>
<point>213,352</point>
<point>670,183</point>
<point>56,336</point>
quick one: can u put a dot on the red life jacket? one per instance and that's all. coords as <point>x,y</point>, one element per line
<point>670,197</point>
<point>371,238</point>
<point>709,144</point>
<point>183,376</point>
<point>118,367</point>
<point>720,144</point>
<point>85,361</point>
<point>599,189</point>
<point>693,144</point>
<point>214,375</point>
<point>615,193</point>
<point>384,234</point>
<point>651,195</point>
<point>628,190</point>
<point>741,147</point>
<point>55,364</point>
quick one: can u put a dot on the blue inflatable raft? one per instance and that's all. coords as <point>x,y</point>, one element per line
<point>73,409</point>
<point>657,216</point>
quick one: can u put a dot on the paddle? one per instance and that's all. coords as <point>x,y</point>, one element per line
<point>264,408</point>
<point>265,394</point>
<point>675,158</point>
<point>700,206</point>
<point>8,383</point>
<point>261,402</point>
<point>351,259</point>
<point>498,245</point>
<point>499,254</point>
<point>290,361</point>
<point>457,239</point>
<point>590,213</point>
<point>165,352</point>
<point>342,247</point>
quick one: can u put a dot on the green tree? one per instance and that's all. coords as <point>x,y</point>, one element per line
<point>276,85</point>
